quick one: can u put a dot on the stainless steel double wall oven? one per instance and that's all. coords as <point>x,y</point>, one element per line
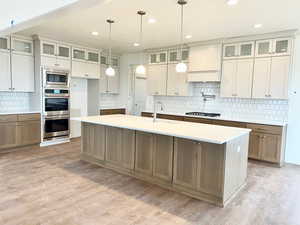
<point>56,104</point>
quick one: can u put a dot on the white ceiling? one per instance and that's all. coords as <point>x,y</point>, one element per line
<point>205,20</point>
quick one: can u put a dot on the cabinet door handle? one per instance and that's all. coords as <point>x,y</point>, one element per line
<point>56,64</point>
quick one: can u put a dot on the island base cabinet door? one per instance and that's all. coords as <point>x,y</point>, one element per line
<point>144,153</point>
<point>29,132</point>
<point>210,169</point>
<point>163,157</point>
<point>185,163</point>
<point>93,140</point>
<point>128,149</point>
<point>270,150</point>
<point>113,145</point>
<point>8,135</point>
<point>254,146</point>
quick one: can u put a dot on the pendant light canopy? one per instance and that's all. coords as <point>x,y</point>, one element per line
<point>181,67</point>
<point>110,71</point>
<point>140,69</point>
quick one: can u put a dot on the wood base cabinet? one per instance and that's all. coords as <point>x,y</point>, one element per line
<point>19,130</point>
<point>206,171</point>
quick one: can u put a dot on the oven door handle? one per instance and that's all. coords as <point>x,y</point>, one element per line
<point>57,117</point>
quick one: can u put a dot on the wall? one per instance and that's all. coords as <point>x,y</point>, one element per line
<point>14,102</point>
<point>230,108</point>
<point>293,150</point>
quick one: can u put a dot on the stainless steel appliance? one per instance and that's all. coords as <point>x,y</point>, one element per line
<point>55,78</point>
<point>56,101</point>
<point>56,104</point>
<point>56,127</point>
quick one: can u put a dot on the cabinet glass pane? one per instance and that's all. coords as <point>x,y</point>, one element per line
<point>246,50</point>
<point>3,43</point>
<point>162,57</point>
<point>22,46</point>
<point>63,51</point>
<point>103,60</point>
<point>78,54</point>
<point>49,49</point>
<point>263,48</point>
<point>185,55</point>
<point>282,46</point>
<point>115,62</point>
<point>230,51</point>
<point>93,57</point>
<point>153,58</point>
<point>173,57</point>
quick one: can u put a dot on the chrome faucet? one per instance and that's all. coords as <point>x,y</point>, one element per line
<point>155,110</point>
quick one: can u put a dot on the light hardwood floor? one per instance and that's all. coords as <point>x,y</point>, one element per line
<point>43,186</point>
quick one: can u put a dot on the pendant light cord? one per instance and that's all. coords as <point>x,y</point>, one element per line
<point>110,63</point>
<point>141,36</point>
<point>181,35</point>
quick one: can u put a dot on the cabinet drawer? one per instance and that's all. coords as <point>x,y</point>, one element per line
<point>198,120</point>
<point>229,123</point>
<point>8,118</point>
<point>29,117</point>
<point>265,128</point>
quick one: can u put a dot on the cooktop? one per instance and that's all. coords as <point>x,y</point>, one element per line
<point>203,114</point>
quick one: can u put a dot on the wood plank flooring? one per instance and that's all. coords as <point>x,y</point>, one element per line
<point>43,186</point>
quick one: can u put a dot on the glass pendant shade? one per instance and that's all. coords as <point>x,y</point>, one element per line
<point>110,71</point>
<point>141,70</point>
<point>181,67</point>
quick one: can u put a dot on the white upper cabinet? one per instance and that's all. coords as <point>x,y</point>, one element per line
<point>5,73</point>
<point>205,63</point>
<point>158,57</point>
<point>271,77</point>
<point>17,65</point>
<point>237,78</point>
<point>273,47</point>
<point>157,79</point>
<point>177,84</point>
<point>238,50</point>
<point>85,63</point>
<point>54,54</point>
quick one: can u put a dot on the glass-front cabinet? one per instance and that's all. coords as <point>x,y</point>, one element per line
<point>238,50</point>
<point>22,46</point>
<point>158,58</point>
<point>63,51</point>
<point>174,55</point>
<point>273,47</point>
<point>79,54</point>
<point>93,57</point>
<point>48,48</point>
<point>4,44</point>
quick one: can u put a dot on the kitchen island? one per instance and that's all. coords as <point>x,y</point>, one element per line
<point>207,162</point>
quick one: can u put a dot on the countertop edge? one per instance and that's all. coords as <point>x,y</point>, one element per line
<point>247,131</point>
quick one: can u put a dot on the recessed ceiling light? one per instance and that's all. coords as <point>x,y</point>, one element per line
<point>259,25</point>
<point>188,36</point>
<point>151,20</point>
<point>232,2</point>
<point>95,33</point>
<point>136,44</point>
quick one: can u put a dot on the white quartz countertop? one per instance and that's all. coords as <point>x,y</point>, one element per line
<point>239,119</point>
<point>18,112</point>
<point>193,131</point>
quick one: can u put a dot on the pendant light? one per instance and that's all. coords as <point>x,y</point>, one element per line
<point>140,69</point>
<point>181,67</point>
<point>110,71</point>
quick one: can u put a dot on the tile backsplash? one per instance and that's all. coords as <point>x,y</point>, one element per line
<point>260,109</point>
<point>109,101</point>
<point>14,102</point>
